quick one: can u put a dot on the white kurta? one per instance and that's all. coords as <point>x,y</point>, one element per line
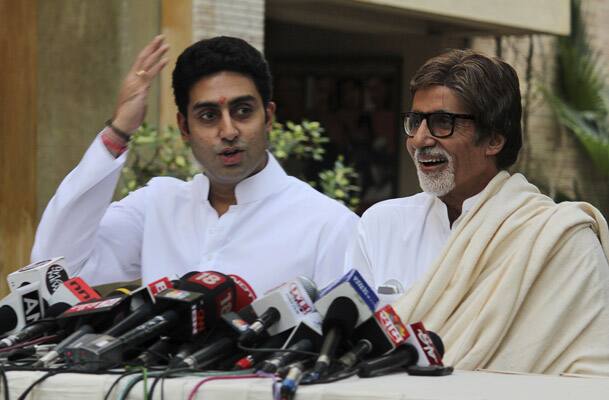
<point>400,238</point>
<point>279,228</point>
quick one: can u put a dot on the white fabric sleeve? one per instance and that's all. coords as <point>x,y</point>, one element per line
<point>332,247</point>
<point>100,242</point>
<point>357,256</point>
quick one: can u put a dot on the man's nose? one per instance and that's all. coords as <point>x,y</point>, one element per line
<point>228,129</point>
<point>422,136</point>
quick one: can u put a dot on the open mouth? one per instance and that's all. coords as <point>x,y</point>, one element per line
<point>432,162</point>
<point>230,152</point>
<point>231,156</point>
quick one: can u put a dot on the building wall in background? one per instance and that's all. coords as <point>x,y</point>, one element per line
<point>84,50</point>
<point>17,134</point>
<point>553,158</point>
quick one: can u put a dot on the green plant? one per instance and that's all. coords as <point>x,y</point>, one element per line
<point>155,153</point>
<point>163,153</point>
<point>581,101</point>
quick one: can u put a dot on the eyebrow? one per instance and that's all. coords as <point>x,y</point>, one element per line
<point>215,104</point>
<point>441,111</point>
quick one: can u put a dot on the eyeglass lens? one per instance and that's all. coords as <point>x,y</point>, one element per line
<point>439,124</point>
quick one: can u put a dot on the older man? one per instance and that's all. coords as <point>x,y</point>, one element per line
<point>511,280</point>
<point>243,215</point>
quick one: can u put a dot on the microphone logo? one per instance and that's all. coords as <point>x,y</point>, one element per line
<point>159,285</point>
<point>209,279</point>
<point>82,291</point>
<point>392,325</point>
<point>428,346</point>
<point>55,276</point>
<point>298,299</point>
<point>198,320</point>
<point>225,301</point>
<point>31,306</point>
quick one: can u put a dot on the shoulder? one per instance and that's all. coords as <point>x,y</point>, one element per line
<point>388,210</point>
<point>315,202</point>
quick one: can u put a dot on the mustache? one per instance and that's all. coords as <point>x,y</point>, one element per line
<point>238,146</point>
<point>431,152</point>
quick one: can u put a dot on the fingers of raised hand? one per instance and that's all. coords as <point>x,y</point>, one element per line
<point>150,60</point>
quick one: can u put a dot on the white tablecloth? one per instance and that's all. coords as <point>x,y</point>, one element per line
<point>459,386</point>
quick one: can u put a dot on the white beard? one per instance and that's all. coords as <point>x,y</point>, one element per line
<point>441,183</point>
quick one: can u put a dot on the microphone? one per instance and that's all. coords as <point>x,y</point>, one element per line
<point>245,295</point>
<point>281,358</point>
<point>92,312</point>
<point>36,329</point>
<point>49,274</point>
<point>389,292</point>
<point>21,307</point>
<point>362,348</point>
<point>422,349</point>
<point>351,286</point>
<point>73,291</point>
<point>281,309</point>
<point>252,359</point>
<point>184,313</point>
<point>182,318</point>
<point>159,351</point>
<point>384,330</point>
<point>338,323</point>
<point>209,354</point>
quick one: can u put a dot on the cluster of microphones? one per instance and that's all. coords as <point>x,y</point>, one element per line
<point>211,321</point>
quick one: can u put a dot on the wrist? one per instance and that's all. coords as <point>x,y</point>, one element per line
<point>125,136</point>
<point>113,143</point>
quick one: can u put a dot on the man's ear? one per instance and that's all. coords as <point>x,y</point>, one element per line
<point>495,144</point>
<point>269,114</point>
<point>183,125</point>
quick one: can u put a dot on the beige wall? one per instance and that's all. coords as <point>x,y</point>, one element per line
<point>546,16</point>
<point>85,47</point>
<point>17,134</point>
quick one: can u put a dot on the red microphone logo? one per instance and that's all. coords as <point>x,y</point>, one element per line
<point>209,279</point>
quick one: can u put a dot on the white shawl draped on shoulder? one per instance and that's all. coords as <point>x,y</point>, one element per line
<point>522,285</point>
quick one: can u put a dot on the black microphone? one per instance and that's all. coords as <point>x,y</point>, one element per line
<point>36,329</point>
<point>281,309</point>
<point>209,354</point>
<point>158,353</point>
<point>252,359</point>
<point>22,306</point>
<point>286,356</point>
<point>338,324</point>
<point>406,355</point>
<point>87,316</point>
<point>362,348</point>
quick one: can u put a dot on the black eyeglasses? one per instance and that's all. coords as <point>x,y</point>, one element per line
<point>440,124</point>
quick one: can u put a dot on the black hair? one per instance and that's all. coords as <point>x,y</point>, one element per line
<point>222,53</point>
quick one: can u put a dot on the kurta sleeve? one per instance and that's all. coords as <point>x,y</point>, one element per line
<point>101,242</point>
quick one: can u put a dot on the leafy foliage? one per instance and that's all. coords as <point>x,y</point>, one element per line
<point>163,153</point>
<point>581,102</point>
<point>156,153</point>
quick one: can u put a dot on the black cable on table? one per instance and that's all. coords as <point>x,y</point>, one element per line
<point>36,382</point>
<point>4,383</point>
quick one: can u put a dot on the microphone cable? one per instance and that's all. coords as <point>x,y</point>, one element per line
<point>276,350</point>
<point>4,382</point>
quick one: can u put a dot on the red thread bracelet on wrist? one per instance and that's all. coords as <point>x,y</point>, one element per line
<point>111,145</point>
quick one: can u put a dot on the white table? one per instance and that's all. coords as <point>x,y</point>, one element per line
<point>459,386</point>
